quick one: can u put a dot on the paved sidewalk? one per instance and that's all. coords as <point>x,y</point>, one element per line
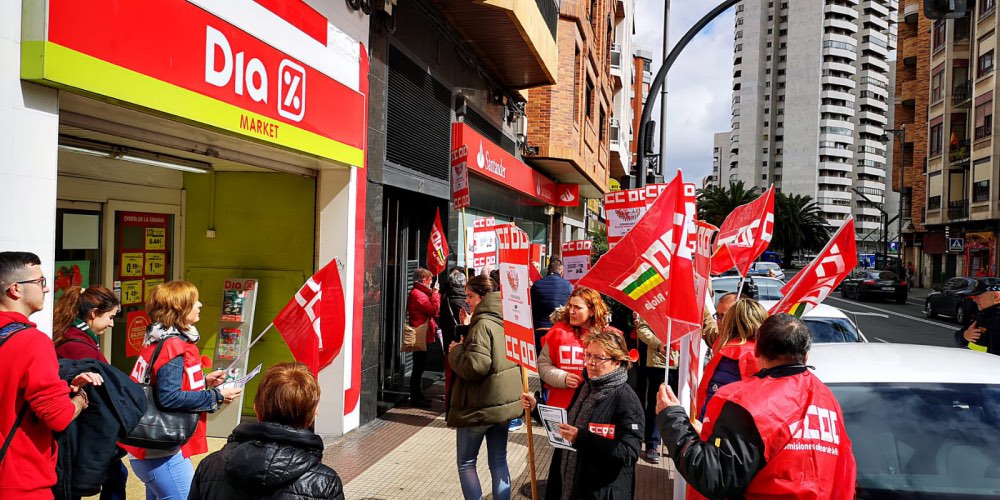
<point>409,454</point>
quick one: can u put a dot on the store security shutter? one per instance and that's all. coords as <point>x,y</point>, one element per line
<point>418,130</point>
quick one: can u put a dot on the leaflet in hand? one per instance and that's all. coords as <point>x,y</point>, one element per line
<point>239,383</point>
<point>552,416</point>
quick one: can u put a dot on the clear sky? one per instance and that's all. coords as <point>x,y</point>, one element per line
<point>699,84</point>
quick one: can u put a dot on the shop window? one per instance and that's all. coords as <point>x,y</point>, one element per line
<point>935,140</point>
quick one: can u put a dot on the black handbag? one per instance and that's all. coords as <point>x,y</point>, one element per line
<point>160,429</point>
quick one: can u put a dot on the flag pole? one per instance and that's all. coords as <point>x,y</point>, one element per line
<point>531,445</point>
<point>233,362</point>
<point>465,251</point>
<point>739,289</point>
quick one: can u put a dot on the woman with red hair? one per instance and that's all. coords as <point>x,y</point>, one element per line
<point>560,363</point>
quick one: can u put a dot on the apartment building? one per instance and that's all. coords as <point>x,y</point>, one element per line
<point>569,123</point>
<point>960,213</point>
<point>720,161</point>
<point>623,77</point>
<point>817,69</point>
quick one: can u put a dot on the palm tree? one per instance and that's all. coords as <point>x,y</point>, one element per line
<point>715,203</point>
<point>799,225</point>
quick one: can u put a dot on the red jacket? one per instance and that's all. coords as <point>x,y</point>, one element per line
<point>423,305</point>
<point>77,344</point>
<point>29,371</point>
<point>741,352</point>
<point>807,452</point>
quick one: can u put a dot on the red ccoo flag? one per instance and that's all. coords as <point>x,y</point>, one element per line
<point>744,235</point>
<point>814,283</point>
<point>651,269</point>
<point>312,323</point>
<point>437,247</point>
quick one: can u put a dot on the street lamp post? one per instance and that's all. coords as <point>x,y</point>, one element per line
<point>885,220</point>
<point>901,131</point>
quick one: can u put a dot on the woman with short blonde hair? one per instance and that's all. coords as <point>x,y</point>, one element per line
<point>734,357</point>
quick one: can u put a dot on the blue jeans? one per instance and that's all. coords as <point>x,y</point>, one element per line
<point>167,478</point>
<point>469,440</point>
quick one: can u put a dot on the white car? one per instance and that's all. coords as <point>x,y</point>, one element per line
<point>827,324</point>
<point>924,421</point>
<point>769,269</point>
<point>767,288</point>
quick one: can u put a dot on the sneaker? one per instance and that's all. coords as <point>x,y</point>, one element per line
<point>652,455</point>
<point>516,425</point>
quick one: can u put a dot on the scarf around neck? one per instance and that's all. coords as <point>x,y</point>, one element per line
<point>591,393</point>
<point>81,325</point>
<point>156,332</point>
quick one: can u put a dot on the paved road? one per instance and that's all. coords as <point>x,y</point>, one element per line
<point>883,321</point>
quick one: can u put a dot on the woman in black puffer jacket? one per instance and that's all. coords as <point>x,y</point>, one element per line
<point>278,457</point>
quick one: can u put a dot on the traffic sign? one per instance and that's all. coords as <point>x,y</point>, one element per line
<point>956,244</point>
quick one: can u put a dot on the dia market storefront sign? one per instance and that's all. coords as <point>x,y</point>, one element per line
<point>236,66</point>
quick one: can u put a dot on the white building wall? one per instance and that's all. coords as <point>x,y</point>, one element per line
<point>801,70</point>
<point>29,132</point>
<point>622,100</point>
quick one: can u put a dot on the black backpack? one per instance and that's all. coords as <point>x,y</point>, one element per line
<point>6,333</point>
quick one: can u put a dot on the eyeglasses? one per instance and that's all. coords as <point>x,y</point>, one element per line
<point>593,358</point>
<point>40,282</point>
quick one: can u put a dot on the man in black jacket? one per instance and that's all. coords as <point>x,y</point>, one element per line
<point>983,333</point>
<point>548,294</point>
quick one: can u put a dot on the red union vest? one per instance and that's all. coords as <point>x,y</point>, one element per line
<point>741,352</point>
<point>194,380</point>
<point>806,448</point>
<point>566,351</point>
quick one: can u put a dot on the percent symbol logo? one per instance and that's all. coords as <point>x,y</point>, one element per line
<point>291,90</point>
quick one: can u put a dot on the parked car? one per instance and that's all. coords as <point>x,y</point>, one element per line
<point>828,325</point>
<point>865,283</point>
<point>769,269</point>
<point>922,420</point>
<point>766,288</point>
<point>952,300</point>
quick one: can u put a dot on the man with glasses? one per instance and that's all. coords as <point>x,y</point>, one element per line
<point>34,401</point>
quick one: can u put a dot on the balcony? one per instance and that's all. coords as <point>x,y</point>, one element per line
<point>961,95</point>
<point>958,210</point>
<point>959,153</point>
<point>616,65</point>
<point>984,131</point>
<point>911,12</point>
<point>515,39</point>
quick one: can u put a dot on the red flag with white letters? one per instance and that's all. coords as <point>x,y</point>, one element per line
<point>814,284</point>
<point>313,322</point>
<point>651,270</point>
<point>437,247</point>
<point>744,235</point>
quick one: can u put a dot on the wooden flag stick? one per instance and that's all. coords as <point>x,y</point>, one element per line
<point>465,251</point>
<point>531,445</point>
